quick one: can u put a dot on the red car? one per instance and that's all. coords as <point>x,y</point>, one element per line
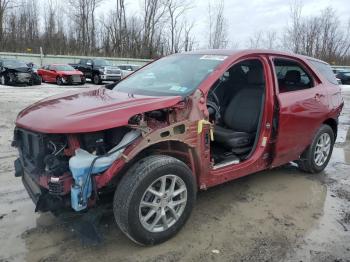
<point>61,74</point>
<point>181,124</point>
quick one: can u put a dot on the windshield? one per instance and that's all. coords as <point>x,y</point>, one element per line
<point>64,68</point>
<point>14,64</point>
<point>171,76</point>
<point>101,62</point>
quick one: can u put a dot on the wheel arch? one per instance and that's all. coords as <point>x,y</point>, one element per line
<point>174,148</point>
<point>333,123</point>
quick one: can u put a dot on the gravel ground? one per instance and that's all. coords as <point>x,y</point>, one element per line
<point>277,215</point>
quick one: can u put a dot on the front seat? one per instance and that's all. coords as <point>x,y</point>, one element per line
<point>241,116</point>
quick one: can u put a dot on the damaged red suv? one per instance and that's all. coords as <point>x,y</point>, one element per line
<point>183,123</point>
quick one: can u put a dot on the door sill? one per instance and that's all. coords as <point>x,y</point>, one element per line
<point>226,163</point>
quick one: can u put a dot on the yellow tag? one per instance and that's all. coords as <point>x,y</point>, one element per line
<point>200,128</point>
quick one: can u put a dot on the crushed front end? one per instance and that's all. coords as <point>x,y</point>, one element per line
<point>58,170</point>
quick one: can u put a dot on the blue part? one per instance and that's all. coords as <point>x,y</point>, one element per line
<point>79,198</point>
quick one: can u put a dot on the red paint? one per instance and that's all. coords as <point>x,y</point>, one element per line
<point>300,114</point>
<point>88,111</point>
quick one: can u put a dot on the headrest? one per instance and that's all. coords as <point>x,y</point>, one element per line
<point>237,75</point>
<point>293,76</point>
<point>255,76</point>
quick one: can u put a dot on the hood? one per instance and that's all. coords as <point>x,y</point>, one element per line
<point>19,69</point>
<point>88,111</point>
<point>70,73</point>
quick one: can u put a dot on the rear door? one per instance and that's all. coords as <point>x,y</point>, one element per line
<point>301,104</point>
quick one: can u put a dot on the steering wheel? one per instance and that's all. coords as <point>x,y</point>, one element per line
<point>213,105</point>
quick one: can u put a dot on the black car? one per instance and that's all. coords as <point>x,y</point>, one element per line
<point>344,77</point>
<point>15,72</point>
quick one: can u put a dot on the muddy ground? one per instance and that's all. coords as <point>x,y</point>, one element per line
<point>277,215</point>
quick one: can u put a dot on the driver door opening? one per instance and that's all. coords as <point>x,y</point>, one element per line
<point>236,105</point>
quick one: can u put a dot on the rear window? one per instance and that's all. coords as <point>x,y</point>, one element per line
<point>325,70</point>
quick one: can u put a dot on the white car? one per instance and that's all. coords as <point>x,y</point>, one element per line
<point>127,69</point>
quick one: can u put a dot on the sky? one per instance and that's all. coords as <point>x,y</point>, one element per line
<point>246,17</point>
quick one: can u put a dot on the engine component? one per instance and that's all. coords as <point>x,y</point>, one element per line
<point>84,164</point>
<point>54,166</point>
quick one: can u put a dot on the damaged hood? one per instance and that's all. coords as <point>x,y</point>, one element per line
<point>88,111</point>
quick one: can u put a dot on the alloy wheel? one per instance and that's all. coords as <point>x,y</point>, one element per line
<point>322,149</point>
<point>163,203</point>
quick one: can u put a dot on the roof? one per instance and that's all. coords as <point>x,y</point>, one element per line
<point>244,52</point>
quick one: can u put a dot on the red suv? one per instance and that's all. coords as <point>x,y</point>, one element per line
<point>183,123</point>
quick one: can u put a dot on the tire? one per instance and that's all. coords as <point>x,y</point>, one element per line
<point>40,80</point>
<point>96,79</point>
<point>134,187</point>
<point>3,80</point>
<point>59,81</point>
<point>309,161</point>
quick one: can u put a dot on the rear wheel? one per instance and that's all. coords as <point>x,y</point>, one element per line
<point>318,154</point>
<point>96,79</point>
<point>154,199</point>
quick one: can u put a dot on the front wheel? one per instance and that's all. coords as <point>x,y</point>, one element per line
<point>154,199</point>
<point>318,154</point>
<point>59,81</point>
<point>3,80</point>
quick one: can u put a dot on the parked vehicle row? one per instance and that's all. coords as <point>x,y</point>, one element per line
<point>183,123</point>
<point>14,72</point>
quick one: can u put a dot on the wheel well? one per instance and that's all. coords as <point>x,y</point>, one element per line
<point>333,124</point>
<point>175,149</point>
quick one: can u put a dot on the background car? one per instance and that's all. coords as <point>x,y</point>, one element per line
<point>344,77</point>
<point>15,72</point>
<point>98,70</point>
<point>61,74</point>
<point>127,69</point>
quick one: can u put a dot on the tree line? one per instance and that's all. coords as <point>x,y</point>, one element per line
<point>161,27</point>
<point>322,36</point>
<point>74,27</point>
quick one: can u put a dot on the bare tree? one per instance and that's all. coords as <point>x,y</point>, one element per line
<point>176,10</point>
<point>217,25</point>
<point>320,36</point>
<point>5,6</point>
<point>83,14</point>
<point>153,15</point>
<point>264,39</point>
